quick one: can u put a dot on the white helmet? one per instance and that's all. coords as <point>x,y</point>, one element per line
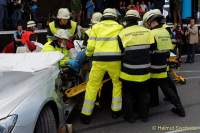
<point>147,16</point>
<point>156,11</point>
<point>110,12</point>
<point>63,13</point>
<point>151,13</point>
<point>62,34</point>
<point>31,23</point>
<point>96,17</point>
<point>132,13</point>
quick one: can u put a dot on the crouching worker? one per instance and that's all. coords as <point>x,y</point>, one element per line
<point>58,44</point>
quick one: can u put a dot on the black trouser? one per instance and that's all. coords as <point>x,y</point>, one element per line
<point>168,89</point>
<point>190,53</point>
<point>172,85</point>
<point>135,94</point>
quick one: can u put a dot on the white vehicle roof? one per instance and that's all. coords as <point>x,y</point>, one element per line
<point>28,62</point>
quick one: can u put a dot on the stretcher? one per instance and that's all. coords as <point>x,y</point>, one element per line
<point>174,64</point>
<point>76,90</point>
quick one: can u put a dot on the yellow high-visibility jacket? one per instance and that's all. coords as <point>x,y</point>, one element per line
<point>160,53</point>
<point>54,29</point>
<point>136,41</point>
<point>103,43</point>
<point>48,47</point>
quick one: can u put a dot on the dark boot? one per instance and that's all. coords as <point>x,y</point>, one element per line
<point>179,111</point>
<point>85,119</point>
<point>116,114</point>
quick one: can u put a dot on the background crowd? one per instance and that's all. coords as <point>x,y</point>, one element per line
<point>18,12</point>
<point>14,11</point>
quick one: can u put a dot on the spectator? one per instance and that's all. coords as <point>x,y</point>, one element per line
<point>3,4</point>
<point>90,9</point>
<point>158,4</point>
<point>176,4</point>
<point>34,10</point>
<point>150,5</point>
<point>29,36</point>
<point>178,32</point>
<point>131,6</point>
<point>99,5</point>
<point>122,7</point>
<point>76,8</point>
<point>17,12</point>
<point>138,8</point>
<point>26,7</point>
<point>18,35</point>
<point>143,6</point>
<point>192,33</point>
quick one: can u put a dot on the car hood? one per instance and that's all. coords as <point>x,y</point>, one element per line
<point>18,81</point>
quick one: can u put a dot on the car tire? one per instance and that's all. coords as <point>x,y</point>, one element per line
<point>46,122</point>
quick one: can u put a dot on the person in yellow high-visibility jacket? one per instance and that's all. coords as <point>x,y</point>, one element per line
<point>58,45</point>
<point>96,17</point>
<point>62,22</point>
<point>135,73</point>
<point>104,49</point>
<point>159,56</point>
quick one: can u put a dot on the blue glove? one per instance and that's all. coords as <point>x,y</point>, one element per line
<point>73,64</point>
<point>81,57</point>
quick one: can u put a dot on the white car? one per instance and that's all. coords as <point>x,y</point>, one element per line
<point>29,100</point>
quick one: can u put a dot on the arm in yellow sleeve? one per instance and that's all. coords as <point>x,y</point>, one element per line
<point>91,44</point>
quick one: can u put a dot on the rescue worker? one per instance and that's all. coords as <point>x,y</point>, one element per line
<point>104,49</point>
<point>135,71</point>
<point>155,96</point>
<point>96,17</point>
<point>58,44</point>
<point>29,35</point>
<point>62,22</point>
<point>159,55</point>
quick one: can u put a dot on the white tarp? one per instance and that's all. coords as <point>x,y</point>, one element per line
<point>28,62</point>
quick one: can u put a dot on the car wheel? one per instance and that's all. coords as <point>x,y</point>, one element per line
<point>46,122</point>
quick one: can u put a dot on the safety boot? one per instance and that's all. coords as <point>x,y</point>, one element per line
<point>179,111</point>
<point>85,119</point>
<point>116,114</point>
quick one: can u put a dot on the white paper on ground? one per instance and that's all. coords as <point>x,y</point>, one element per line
<point>172,54</point>
<point>28,62</point>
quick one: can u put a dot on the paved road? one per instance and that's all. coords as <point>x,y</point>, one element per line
<point>161,119</point>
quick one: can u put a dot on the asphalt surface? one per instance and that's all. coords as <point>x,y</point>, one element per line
<point>161,120</point>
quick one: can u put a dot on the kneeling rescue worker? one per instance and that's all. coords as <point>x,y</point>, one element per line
<point>159,55</point>
<point>104,49</point>
<point>135,71</point>
<point>58,44</point>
